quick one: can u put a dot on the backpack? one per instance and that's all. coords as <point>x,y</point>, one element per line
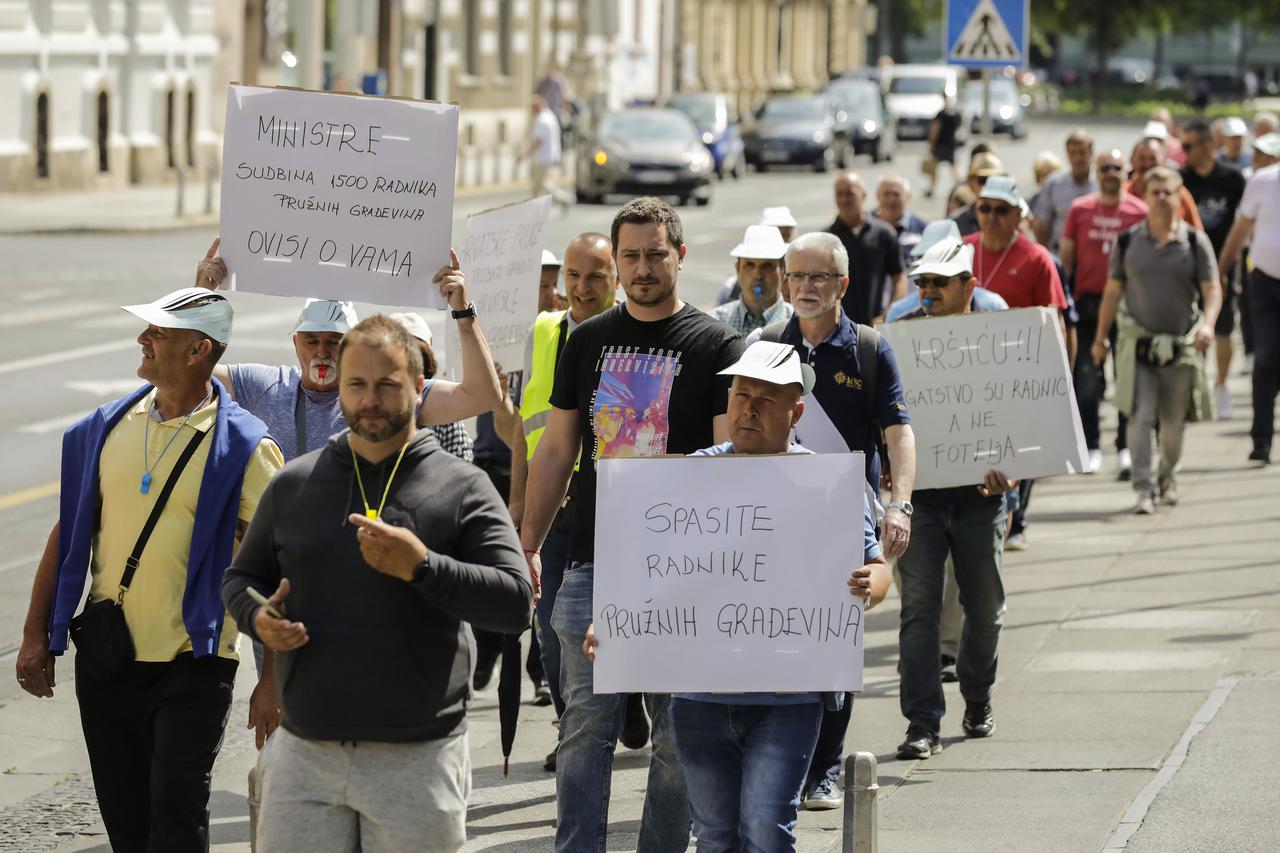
<point>868,345</point>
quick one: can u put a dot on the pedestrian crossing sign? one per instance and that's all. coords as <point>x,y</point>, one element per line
<point>987,33</point>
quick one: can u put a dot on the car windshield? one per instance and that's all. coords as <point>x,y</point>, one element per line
<point>646,125</point>
<point>701,110</point>
<point>918,85</point>
<point>1002,92</point>
<point>859,100</point>
<point>794,108</point>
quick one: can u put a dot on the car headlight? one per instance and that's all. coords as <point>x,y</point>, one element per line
<point>819,136</point>
<point>708,137</point>
<point>868,126</point>
<point>1006,112</point>
<point>697,161</point>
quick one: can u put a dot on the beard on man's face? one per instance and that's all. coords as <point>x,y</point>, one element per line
<point>376,424</point>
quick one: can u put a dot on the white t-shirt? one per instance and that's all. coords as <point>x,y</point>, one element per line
<point>1261,203</point>
<point>546,129</point>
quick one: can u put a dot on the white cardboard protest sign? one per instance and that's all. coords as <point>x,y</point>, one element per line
<point>502,259</point>
<point>337,196</point>
<point>988,390</point>
<point>728,574</point>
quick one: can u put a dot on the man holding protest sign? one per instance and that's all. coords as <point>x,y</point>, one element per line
<point>746,755</point>
<point>637,380</point>
<point>1163,270</point>
<point>966,523</point>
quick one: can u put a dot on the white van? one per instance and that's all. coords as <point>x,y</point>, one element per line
<point>917,94</point>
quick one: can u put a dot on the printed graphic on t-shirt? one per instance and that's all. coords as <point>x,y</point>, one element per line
<point>630,406</point>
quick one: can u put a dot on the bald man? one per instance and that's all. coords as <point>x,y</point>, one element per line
<point>875,259</point>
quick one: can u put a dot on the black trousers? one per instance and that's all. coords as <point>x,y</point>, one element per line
<point>1264,305</point>
<point>828,752</point>
<point>152,736</point>
<point>1090,380</point>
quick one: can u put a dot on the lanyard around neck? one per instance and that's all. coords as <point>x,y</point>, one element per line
<point>369,511</point>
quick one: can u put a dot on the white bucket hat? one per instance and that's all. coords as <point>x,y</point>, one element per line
<point>1268,144</point>
<point>326,315</point>
<point>778,217</point>
<point>761,241</point>
<point>189,308</point>
<point>1234,126</point>
<point>416,325</point>
<point>776,363</point>
<point>1155,130</point>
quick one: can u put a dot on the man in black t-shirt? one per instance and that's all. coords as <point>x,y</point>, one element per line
<point>942,141</point>
<point>875,259</point>
<point>640,379</point>
<point>1217,188</point>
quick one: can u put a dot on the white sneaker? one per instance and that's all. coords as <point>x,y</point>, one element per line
<point>1246,369</point>
<point>1124,464</point>
<point>1095,462</point>
<point>1222,402</point>
<point>1145,506</point>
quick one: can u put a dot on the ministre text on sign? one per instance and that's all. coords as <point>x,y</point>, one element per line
<point>728,574</point>
<point>337,196</point>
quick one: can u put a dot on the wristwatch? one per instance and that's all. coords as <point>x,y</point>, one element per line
<point>469,311</point>
<point>905,506</point>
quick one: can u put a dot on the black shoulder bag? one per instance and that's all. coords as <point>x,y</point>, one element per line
<point>100,632</point>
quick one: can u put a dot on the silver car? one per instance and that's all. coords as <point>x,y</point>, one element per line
<point>645,151</point>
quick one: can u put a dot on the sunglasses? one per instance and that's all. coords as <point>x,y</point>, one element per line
<point>997,209</point>
<point>938,281</point>
<point>1111,167</point>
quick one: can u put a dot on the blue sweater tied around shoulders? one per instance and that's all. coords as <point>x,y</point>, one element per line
<point>236,434</point>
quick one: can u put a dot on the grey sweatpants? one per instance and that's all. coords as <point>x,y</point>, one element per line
<point>330,797</point>
<point>1164,393</point>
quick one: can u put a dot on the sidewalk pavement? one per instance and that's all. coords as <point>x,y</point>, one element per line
<point>1136,702</point>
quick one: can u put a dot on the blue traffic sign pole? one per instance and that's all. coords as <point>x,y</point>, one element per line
<point>986,34</point>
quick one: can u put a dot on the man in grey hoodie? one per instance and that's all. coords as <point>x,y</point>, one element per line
<point>383,545</point>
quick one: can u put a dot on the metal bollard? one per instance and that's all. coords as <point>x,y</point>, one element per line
<point>861,820</point>
<point>182,186</point>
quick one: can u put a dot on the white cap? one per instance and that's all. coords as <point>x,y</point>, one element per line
<point>1002,188</point>
<point>761,241</point>
<point>777,363</point>
<point>1268,144</point>
<point>1234,126</point>
<point>939,229</point>
<point>948,257</point>
<point>778,217</point>
<point>189,308</point>
<point>416,325</point>
<point>326,315</point>
<point>549,259</point>
<point>1155,130</point>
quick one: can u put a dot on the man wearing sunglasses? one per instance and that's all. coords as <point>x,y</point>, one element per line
<point>966,523</point>
<point>1093,224</point>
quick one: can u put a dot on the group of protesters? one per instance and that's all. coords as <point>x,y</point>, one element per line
<point>341,516</point>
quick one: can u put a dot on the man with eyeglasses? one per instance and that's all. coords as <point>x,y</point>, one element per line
<point>1218,189</point>
<point>1162,269</point>
<point>966,523</point>
<point>1093,224</point>
<point>842,415</point>
<point>874,255</point>
<point>758,267</point>
<point>1062,188</point>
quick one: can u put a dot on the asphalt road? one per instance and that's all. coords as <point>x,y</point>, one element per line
<point>66,347</point>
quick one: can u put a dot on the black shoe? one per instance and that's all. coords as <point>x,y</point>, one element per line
<point>949,670</point>
<point>823,795</point>
<point>919,745</point>
<point>484,674</point>
<point>978,721</point>
<point>635,728</point>
<point>1261,453</point>
<point>542,696</point>
<point>550,764</point>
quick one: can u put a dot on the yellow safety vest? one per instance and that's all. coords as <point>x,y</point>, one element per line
<point>535,402</point>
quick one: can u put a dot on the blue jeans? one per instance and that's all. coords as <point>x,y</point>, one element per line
<point>973,533</point>
<point>745,765</point>
<point>589,730</point>
<point>555,556</point>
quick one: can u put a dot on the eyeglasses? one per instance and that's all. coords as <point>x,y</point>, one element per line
<point>1111,167</point>
<point>938,281</point>
<point>1162,192</point>
<point>996,209</point>
<point>818,278</point>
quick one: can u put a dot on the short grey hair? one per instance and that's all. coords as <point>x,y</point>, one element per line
<point>895,179</point>
<point>828,242</point>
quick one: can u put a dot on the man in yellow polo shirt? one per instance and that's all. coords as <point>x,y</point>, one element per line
<point>156,489</point>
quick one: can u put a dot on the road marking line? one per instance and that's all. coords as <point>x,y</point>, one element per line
<point>58,424</point>
<point>38,295</point>
<point>46,313</point>
<point>29,560</point>
<point>25,496</point>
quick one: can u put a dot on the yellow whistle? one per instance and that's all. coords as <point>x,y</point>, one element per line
<point>371,514</point>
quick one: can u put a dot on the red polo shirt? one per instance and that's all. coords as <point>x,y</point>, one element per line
<point>1023,273</point>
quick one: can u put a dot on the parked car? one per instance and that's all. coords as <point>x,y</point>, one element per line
<point>645,151</point>
<point>917,94</point>
<point>794,130</point>
<point>1008,114</point>
<point>864,117</point>
<point>717,121</point>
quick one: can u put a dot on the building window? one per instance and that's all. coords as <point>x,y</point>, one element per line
<point>471,35</point>
<point>504,37</point>
<point>104,132</point>
<point>168,129</point>
<point>191,127</point>
<point>42,135</point>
